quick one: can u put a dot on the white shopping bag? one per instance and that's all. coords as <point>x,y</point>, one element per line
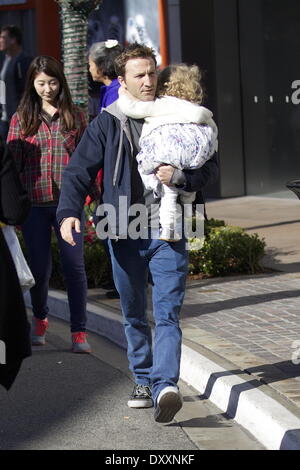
<point>25,275</point>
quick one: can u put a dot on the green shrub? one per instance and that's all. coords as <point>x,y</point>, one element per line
<point>227,250</point>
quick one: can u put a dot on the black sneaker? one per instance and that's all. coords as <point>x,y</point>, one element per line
<point>141,397</point>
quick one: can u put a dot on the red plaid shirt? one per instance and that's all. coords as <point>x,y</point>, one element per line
<point>41,158</point>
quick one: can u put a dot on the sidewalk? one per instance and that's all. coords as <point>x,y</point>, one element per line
<point>275,219</point>
<point>241,334</point>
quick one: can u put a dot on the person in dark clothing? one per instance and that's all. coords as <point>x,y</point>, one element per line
<point>14,63</point>
<point>111,142</point>
<point>14,326</point>
<point>101,66</point>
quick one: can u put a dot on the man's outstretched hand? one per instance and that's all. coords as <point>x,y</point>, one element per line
<point>66,229</point>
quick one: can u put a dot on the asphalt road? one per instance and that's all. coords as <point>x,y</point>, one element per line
<point>64,401</point>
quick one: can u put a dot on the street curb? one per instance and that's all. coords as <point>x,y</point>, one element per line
<point>260,411</point>
<point>272,424</point>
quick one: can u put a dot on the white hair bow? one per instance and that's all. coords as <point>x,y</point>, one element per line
<point>111,43</point>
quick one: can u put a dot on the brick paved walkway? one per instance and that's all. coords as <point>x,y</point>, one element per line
<point>252,321</point>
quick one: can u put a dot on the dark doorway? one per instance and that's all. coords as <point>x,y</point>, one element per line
<point>270,78</point>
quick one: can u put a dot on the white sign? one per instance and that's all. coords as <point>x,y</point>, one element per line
<point>143,24</point>
<point>2,92</point>
<point>2,352</point>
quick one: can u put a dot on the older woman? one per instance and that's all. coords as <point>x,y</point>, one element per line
<point>101,65</point>
<point>14,326</point>
<point>102,69</point>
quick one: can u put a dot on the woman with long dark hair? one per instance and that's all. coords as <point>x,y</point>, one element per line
<point>43,134</point>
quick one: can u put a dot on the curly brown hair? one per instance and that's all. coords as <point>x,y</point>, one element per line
<point>182,81</point>
<point>133,51</point>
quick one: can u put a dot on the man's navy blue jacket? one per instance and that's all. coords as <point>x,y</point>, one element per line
<point>106,143</point>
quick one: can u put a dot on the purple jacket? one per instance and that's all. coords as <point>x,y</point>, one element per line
<point>109,94</point>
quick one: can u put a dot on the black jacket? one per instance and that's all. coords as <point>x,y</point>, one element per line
<point>14,326</point>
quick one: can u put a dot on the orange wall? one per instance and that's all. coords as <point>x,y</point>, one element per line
<point>48,28</point>
<point>163,33</point>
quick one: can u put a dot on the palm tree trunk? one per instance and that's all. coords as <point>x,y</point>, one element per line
<point>74,16</point>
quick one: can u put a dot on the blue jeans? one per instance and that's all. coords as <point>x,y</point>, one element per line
<point>167,263</point>
<point>37,231</point>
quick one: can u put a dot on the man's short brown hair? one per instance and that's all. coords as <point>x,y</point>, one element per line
<point>133,51</point>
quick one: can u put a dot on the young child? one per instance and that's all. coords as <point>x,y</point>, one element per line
<point>178,132</point>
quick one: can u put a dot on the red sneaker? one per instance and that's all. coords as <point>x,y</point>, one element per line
<point>79,343</point>
<point>38,331</point>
